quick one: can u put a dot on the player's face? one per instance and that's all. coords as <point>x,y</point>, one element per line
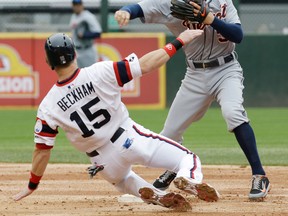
<point>77,8</point>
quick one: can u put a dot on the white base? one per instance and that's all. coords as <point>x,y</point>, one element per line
<point>127,198</point>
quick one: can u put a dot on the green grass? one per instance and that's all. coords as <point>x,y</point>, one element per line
<point>208,138</point>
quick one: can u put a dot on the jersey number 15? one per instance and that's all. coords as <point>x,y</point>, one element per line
<point>90,116</point>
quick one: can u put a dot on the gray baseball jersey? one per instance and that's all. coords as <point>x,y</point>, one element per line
<point>86,52</point>
<point>210,45</point>
<point>201,86</point>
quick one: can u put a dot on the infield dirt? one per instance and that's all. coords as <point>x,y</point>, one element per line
<point>66,190</point>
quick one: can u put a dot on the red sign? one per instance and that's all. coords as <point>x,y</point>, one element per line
<point>25,78</point>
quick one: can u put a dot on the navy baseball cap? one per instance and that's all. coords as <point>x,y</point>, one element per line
<point>76,1</point>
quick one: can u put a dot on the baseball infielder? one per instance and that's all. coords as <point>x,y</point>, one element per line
<point>213,73</point>
<point>85,29</point>
<point>86,104</point>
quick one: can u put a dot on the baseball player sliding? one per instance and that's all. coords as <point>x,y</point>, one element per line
<point>213,73</point>
<point>86,104</point>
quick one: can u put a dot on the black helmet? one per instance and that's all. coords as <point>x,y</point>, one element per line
<point>59,49</point>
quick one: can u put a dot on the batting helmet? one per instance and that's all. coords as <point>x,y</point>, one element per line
<point>59,49</point>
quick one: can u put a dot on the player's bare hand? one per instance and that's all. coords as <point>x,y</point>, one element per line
<point>122,17</point>
<point>22,194</point>
<point>188,35</point>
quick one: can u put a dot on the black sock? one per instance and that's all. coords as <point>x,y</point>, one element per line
<point>246,139</point>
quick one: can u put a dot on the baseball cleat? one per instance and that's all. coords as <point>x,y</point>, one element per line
<point>164,180</point>
<point>260,188</point>
<point>169,200</point>
<point>203,191</point>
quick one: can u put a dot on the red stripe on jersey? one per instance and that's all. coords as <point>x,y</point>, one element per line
<point>69,79</point>
<point>46,130</point>
<point>116,71</point>
<point>128,70</point>
<point>172,143</point>
<point>43,121</point>
<point>43,146</point>
<point>46,134</point>
<point>195,166</point>
<point>162,139</point>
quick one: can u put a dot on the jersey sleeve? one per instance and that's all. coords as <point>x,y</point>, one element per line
<point>155,11</point>
<point>127,69</point>
<point>232,14</point>
<point>43,132</point>
<point>111,76</point>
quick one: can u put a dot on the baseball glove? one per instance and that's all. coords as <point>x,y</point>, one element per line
<point>181,9</point>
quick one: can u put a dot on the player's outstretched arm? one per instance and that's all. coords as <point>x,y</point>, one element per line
<point>39,163</point>
<point>157,58</point>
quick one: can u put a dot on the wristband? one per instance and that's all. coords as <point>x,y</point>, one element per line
<point>32,186</point>
<point>172,47</point>
<point>33,181</point>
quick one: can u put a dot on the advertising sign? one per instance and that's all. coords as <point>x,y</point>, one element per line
<point>25,78</point>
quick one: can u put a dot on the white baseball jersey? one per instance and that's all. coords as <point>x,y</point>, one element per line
<point>208,46</point>
<point>87,106</point>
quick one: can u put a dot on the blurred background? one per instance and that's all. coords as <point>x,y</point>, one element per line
<point>262,54</point>
<point>260,17</point>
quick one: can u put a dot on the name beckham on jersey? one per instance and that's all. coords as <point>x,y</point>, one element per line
<point>75,95</point>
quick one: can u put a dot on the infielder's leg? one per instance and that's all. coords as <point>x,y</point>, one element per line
<point>189,105</point>
<point>230,100</point>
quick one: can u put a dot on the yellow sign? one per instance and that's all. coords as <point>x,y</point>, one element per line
<point>17,79</point>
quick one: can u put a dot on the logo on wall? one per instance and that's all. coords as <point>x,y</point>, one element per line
<point>17,79</point>
<point>108,52</point>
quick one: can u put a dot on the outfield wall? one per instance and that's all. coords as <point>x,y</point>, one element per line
<point>25,77</point>
<point>264,60</point>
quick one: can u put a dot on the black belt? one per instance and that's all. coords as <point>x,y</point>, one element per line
<point>213,63</point>
<point>82,47</point>
<point>115,136</point>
